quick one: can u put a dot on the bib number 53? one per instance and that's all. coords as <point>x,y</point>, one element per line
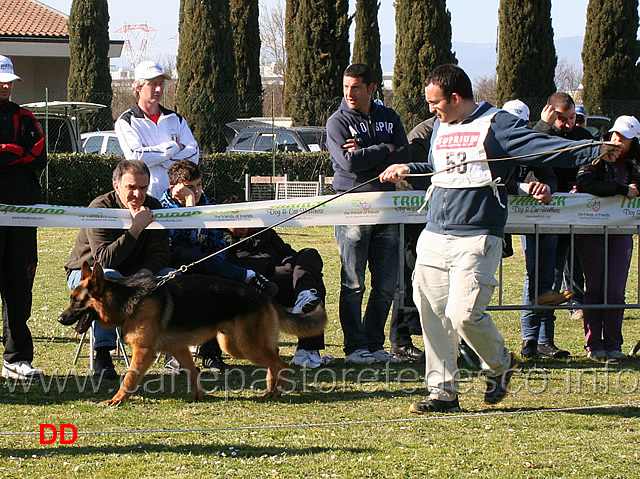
<point>455,162</point>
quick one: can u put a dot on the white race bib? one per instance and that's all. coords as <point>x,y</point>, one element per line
<point>461,146</point>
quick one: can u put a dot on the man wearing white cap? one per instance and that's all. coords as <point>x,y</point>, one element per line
<point>152,133</point>
<point>538,327</point>
<point>22,154</point>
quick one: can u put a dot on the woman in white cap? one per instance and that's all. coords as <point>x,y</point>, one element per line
<point>603,327</point>
<point>22,155</point>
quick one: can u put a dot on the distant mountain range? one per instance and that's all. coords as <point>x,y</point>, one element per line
<point>479,59</point>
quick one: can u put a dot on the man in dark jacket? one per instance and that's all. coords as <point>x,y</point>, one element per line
<point>538,327</point>
<point>134,251</point>
<point>22,154</point>
<point>406,322</point>
<point>558,118</point>
<point>363,139</point>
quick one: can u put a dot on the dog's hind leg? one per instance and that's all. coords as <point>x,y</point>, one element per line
<point>184,357</point>
<point>142,359</point>
<point>277,372</point>
<point>277,369</point>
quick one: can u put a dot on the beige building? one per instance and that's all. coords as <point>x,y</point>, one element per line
<point>36,38</point>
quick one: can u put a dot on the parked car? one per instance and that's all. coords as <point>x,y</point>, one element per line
<point>101,142</point>
<point>58,121</point>
<point>598,126</point>
<point>267,139</point>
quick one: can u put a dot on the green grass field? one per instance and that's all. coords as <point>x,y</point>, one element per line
<point>574,418</point>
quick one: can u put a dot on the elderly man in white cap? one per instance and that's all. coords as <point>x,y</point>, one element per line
<point>22,155</point>
<point>538,327</point>
<point>152,133</point>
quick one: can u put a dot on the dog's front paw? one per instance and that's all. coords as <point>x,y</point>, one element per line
<point>272,394</point>
<point>117,399</point>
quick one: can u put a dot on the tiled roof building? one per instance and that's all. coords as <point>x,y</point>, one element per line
<point>30,18</point>
<point>36,38</point>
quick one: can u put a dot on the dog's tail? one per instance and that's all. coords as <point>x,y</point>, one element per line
<point>302,325</point>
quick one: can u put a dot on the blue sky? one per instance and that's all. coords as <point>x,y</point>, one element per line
<point>472,21</point>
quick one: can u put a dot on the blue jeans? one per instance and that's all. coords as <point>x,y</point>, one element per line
<point>357,245</point>
<point>215,266</point>
<point>103,336</point>
<point>538,325</point>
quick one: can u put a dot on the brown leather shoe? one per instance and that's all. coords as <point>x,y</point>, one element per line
<point>553,298</point>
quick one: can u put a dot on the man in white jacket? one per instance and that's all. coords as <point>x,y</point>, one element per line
<point>152,133</point>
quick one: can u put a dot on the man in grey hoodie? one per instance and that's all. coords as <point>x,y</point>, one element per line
<point>364,138</point>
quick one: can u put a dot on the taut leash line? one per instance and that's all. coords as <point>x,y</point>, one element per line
<point>184,268</point>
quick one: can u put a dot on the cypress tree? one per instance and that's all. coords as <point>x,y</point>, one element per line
<point>366,44</point>
<point>317,45</point>
<point>423,41</point>
<point>246,41</point>
<point>609,54</point>
<point>89,75</point>
<point>206,93</point>
<point>526,53</point>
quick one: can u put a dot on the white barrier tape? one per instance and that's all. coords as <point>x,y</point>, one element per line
<point>354,208</point>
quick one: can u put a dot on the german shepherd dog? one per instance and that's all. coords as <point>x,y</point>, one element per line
<point>185,311</point>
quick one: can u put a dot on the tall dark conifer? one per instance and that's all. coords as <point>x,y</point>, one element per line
<point>366,44</point>
<point>423,41</point>
<point>609,55</point>
<point>317,53</point>
<point>246,41</point>
<point>207,95</point>
<point>526,53</point>
<point>89,75</point>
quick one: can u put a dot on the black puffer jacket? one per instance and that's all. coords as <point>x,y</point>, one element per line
<point>566,176</point>
<point>261,253</point>
<point>600,179</point>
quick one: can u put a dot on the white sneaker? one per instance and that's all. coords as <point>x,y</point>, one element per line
<point>306,302</point>
<point>20,370</point>
<point>307,359</point>
<point>382,356</point>
<point>360,356</point>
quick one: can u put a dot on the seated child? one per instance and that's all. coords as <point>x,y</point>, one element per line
<point>189,245</point>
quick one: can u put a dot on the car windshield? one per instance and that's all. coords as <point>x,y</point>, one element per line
<point>59,132</point>
<point>113,146</point>
<point>92,144</point>
<point>315,140</point>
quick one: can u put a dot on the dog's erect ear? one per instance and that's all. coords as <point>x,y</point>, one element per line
<point>86,270</point>
<point>98,271</point>
<point>97,276</point>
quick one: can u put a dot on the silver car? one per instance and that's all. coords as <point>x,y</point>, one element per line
<point>266,139</point>
<point>101,142</point>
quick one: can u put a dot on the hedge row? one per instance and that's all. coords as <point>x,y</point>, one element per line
<point>76,179</point>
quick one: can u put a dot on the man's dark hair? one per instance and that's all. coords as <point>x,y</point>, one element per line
<point>452,79</point>
<point>136,167</point>
<point>360,70</point>
<point>562,100</point>
<point>183,171</point>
